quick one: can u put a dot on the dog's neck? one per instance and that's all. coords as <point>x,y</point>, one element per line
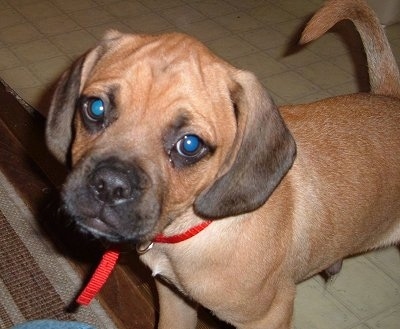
<point>172,239</point>
<point>191,232</point>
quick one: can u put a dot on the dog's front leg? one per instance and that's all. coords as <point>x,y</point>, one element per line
<point>175,311</point>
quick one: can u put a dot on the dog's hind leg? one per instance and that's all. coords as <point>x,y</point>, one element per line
<point>333,269</point>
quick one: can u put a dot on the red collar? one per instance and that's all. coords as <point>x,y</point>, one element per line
<point>110,258</point>
<point>161,238</point>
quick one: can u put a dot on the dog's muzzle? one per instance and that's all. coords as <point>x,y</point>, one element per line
<point>113,199</point>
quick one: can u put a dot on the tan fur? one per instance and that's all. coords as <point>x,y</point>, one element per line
<point>340,197</point>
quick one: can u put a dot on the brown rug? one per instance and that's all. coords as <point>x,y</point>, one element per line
<point>36,282</point>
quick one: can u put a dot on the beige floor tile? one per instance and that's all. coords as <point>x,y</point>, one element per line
<point>312,98</point>
<point>19,77</point>
<point>231,47</point>
<point>290,86</point>
<point>261,64</point>
<point>277,99</point>
<point>361,326</point>
<point>4,4</point>
<point>315,308</point>
<point>50,69</point>
<point>74,43</point>
<point>245,5</point>
<point>290,29</point>
<point>35,51</point>
<point>351,63</point>
<point>324,74</point>
<point>158,5</point>
<point>393,31</point>
<point>8,59</point>
<point>297,8</point>
<point>92,17</point>
<point>56,25</point>
<point>39,10</point>
<point>105,2</point>
<point>396,50</point>
<point>346,88</point>
<point>123,9</point>
<point>10,17</point>
<point>213,8</point>
<point>148,23</point>
<point>293,60</point>
<point>271,14</point>
<point>364,288</point>
<point>264,38</point>
<point>238,22</point>
<point>206,30</point>
<point>182,15</point>
<point>74,5</point>
<point>388,261</point>
<point>16,3</point>
<point>388,320</point>
<point>328,46</point>
<point>18,34</point>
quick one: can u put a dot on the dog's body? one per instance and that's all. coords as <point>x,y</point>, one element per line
<point>244,269</point>
<point>277,220</point>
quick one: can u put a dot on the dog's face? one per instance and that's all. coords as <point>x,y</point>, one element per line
<point>156,127</point>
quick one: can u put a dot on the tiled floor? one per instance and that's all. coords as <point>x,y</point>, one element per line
<point>40,38</point>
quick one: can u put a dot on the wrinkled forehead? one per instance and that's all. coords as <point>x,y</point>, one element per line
<point>132,56</point>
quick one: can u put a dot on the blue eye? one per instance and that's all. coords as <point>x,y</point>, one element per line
<point>95,109</point>
<point>189,145</point>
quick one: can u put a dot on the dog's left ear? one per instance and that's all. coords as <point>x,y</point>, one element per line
<point>265,151</point>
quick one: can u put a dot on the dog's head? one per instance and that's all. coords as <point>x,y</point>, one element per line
<point>156,126</point>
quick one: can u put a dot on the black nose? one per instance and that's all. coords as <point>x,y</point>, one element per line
<point>111,184</point>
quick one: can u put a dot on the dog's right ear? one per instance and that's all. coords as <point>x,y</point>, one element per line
<point>61,113</point>
<point>59,130</point>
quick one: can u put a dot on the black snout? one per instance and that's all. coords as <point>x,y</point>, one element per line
<point>113,199</point>
<point>112,184</point>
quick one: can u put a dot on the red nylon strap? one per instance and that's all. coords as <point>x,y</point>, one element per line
<point>99,277</point>
<point>160,238</point>
<point>110,258</point>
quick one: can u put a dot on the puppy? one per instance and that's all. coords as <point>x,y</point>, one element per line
<point>166,138</point>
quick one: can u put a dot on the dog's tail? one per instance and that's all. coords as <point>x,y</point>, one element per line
<point>383,70</point>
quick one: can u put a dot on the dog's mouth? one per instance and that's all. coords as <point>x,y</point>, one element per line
<point>100,230</point>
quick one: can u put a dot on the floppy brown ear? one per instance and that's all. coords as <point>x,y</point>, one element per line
<point>62,107</point>
<point>266,151</point>
<point>61,113</point>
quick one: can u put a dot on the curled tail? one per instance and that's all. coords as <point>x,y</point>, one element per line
<point>383,70</point>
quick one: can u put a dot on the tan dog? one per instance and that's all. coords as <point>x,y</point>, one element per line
<point>162,134</point>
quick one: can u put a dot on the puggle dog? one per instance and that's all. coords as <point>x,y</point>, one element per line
<point>166,138</point>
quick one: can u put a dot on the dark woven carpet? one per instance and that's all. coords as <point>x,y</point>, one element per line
<point>36,282</point>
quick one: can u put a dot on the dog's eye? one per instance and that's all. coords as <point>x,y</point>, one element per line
<point>94,109</point>
<point>189,145</point>
<point>188,150</point>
